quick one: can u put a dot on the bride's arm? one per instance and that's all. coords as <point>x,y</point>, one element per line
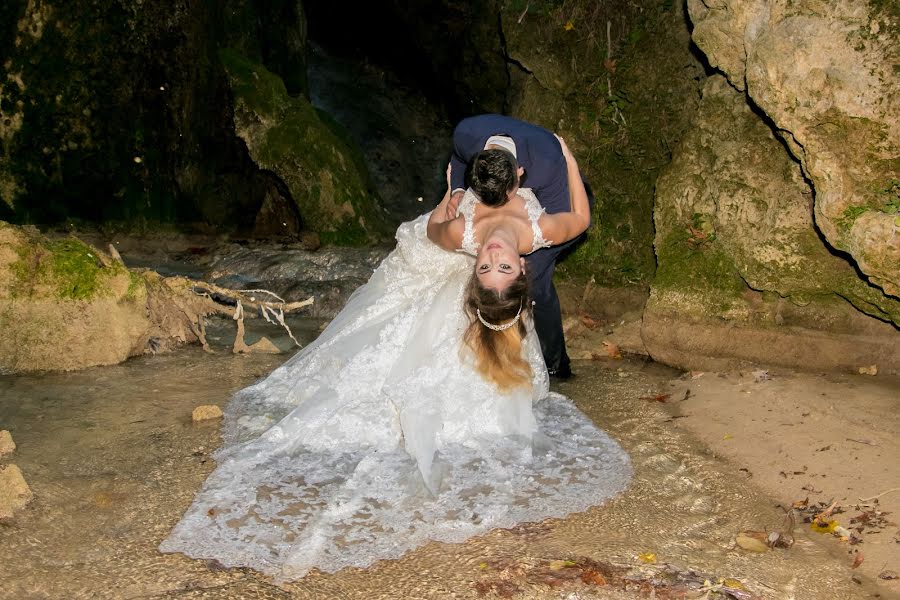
<point>562,227</point>
<point>445,231</point>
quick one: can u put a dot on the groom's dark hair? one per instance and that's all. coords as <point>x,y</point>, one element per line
<point>493,175</point>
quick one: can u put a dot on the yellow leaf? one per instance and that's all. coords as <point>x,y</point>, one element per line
<point>733,584</point>
<point>727,436</point>
<point>823,526</point>
<point>569,26</point>
<point>483,566</point>
<point>648,557</point>
<point>556,565</point>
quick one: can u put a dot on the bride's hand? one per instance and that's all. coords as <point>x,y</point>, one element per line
<point>455,199</point>
<point>567,154</point>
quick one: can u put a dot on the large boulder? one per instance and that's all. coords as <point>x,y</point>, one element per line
<point>827,80</point>
<point>287,136</point>
<point>66,305</point>
<point>743,275</point>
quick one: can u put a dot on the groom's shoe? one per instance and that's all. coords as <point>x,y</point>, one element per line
<point>561,374</point>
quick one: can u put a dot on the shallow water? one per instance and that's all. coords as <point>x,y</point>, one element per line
<point>113,460</point>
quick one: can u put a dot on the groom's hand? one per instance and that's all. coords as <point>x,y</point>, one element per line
<point>453,204</point>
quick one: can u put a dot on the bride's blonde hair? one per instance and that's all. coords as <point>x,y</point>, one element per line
<point>498,354</point>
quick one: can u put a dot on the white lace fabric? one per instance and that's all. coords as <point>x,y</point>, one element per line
<point>534,209</point>
<point>380,436</point>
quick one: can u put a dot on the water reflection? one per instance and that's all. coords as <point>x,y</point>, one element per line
<point>113,460</point>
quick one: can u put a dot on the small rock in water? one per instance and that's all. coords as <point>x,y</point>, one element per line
<point>206,412</point>
<point>14,492</point>
<point>750,544</point>
<point>264,346</point>
<point>7,445</point>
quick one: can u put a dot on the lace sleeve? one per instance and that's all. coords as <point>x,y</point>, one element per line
<point>535,210</point>
<point>466,208</point>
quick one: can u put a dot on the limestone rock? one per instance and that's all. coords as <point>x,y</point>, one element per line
<point>827,80</point>
<point>67,305</point>
<point>750,543</point>
<point>14,492</point>
<point>742,273</point>
<point>7,445</point>
<point>263,346</point>
<point>206,412</point>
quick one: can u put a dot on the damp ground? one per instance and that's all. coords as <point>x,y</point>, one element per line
<point>113,460</point>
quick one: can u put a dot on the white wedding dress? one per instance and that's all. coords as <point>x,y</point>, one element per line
<point>379,436</point>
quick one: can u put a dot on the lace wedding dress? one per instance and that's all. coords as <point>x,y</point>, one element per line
<point>380,436</point>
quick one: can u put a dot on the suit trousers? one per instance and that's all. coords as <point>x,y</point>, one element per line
<point>540,266</point>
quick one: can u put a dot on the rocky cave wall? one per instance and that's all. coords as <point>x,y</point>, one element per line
<point>743,155</point>
<point>122,113</point>
<point>618,79</point>
<point>777,221</point>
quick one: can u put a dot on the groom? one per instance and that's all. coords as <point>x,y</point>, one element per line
<point>542,168</point>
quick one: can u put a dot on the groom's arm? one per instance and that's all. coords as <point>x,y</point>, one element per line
<point>468,140</point>
<point>550,172</point>
<point>464,136</point>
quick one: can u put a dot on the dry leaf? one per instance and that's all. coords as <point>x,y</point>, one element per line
<point>870,370</point>
<point>857,561</point>
<point>610,65</point>
<point>648,557</point>
<point>589,322</point>
<point>593,577</point>
<point>656,397</point>
<point>611,350</point>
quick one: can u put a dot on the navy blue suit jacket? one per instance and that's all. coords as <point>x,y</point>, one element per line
<point>537,150</point>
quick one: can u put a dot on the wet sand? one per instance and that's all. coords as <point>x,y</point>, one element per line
<point>825,438</point>
<point>113,460</point>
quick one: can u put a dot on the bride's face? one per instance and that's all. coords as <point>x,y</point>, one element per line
<point>498,264</point>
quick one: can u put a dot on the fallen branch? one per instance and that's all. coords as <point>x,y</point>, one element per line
<point>880,495</point>
<point>272,311</point>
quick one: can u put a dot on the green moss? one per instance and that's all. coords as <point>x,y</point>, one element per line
<point>849,216</point>
<point>890,197</point>
<point>327,178</point>
<point>264,92</point>
<point>683,265</point>
<point>74,268</point>
<point>69,268</point>
<point>622,139</point>
<point>136,283</point>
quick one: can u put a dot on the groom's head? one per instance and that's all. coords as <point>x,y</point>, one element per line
<point>494,176</point>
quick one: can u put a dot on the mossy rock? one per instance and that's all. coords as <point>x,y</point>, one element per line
<point>734,214</point>
<point>621,113</point>
<point>285,135</point>
<point>66,305</point>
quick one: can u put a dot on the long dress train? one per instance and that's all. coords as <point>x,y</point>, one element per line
<point>380,436</point>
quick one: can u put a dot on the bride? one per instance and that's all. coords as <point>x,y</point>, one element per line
<point>422,412</point>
